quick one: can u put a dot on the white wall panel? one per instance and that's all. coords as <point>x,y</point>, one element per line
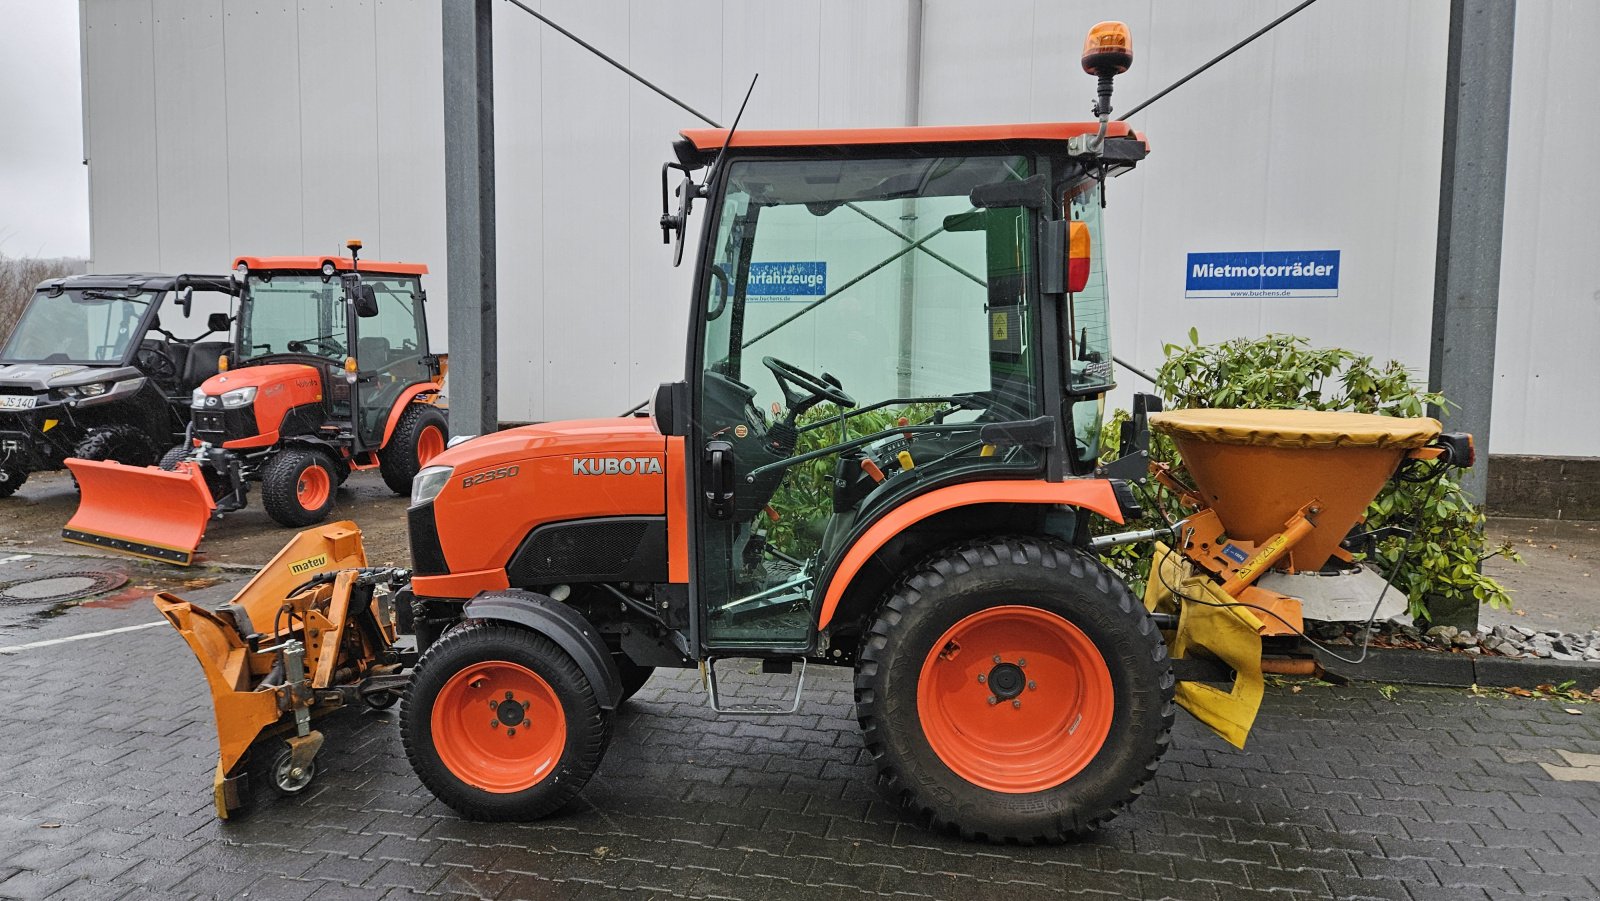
<point>191,131</point>
<point>266,212</point>
<point>120,136</point>
<point>410,143</point>
<point>285,127</point>
<point>1546,363</point>
<point>519,211</point>
<point>339,149</point>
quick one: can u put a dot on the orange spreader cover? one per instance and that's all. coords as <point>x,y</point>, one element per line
<point>1257,468</point>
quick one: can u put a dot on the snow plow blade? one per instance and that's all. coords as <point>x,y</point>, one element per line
<point>273,661</point>
<point>145,511</point>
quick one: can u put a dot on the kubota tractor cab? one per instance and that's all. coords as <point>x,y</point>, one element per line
<point>101,367</point>
<point>329,371</point>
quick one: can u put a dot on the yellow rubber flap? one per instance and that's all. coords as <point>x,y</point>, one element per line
<point>1229,633</point>
<point>1296,428</point>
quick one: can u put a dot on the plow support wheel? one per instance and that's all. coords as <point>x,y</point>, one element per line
<point>141,510</point>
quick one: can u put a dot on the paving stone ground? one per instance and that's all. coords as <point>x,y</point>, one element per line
<point>106,755</point>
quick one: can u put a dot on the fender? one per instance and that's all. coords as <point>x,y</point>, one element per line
<point>1091,494</point>
<point>406,397</point>
<point>562,625</point>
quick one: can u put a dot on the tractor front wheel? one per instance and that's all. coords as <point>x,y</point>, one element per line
<point>500,723</point>
<point>418,437</point>
<point>297,486</point>
<point>1013,689</point>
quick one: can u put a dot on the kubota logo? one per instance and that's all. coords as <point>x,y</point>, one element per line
<point>616,466</point>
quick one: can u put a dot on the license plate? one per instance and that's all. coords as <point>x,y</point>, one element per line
<point>18,401</point>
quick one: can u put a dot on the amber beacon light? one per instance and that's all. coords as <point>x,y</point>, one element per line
<point>1107,53</point>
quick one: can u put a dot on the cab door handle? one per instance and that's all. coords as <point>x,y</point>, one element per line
<point>718,479</point>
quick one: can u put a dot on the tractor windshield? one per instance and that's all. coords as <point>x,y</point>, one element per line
<point>863,321</point>
<point>285,313</point>
<point>85,326</point>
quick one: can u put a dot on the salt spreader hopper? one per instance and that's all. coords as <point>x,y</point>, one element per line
<point>1274,491</point>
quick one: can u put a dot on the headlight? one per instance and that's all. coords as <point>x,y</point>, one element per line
<point>428,483</point>
<point>95,390</point>
<point>239,397</point>
<point>198,398</point>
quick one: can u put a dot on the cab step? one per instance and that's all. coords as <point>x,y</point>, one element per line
<point>720,704</point>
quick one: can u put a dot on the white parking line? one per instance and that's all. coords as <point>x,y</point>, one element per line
<point>50,641</point>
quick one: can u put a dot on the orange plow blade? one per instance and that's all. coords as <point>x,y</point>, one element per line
<point>141,510</point>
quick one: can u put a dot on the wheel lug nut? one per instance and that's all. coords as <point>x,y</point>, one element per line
<point>1032,685</point>
<point>510,733</point>
<point>1016,704</point>
<point>997,658</point>
<point>494,724</point>
<point>982,678</point>
<point>1022,661</point>
<point>508,696</point>
<point>493,704</point>
<point>993,700</point>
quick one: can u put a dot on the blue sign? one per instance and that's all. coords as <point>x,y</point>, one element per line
<point>1263,273</point>
<point>779,281</point>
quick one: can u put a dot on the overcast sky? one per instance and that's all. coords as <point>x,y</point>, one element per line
<point>44,186</point>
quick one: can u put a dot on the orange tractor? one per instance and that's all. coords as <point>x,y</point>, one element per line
<point>884,456</point>
<point>329,371</point>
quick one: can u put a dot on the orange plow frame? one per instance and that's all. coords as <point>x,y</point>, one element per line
<point>242,647</point>
<point>141,510</point>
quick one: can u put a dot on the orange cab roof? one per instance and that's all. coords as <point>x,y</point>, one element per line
<point>343,264</point>
<point>710,139</point>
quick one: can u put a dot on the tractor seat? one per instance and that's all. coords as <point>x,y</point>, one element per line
<point>373,352</point>
<point>202,362</point>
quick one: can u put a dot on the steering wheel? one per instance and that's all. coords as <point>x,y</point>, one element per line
<point>325,342</point>
<point>156,364</point>
<point>817,389</point>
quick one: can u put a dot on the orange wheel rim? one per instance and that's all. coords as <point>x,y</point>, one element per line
<point>313,487</point>
<point>430,444</point>
<point>1015,699</point>
<point>498,726</point>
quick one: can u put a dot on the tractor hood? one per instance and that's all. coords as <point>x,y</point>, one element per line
<point>261,377</point>
<point>503,486</point>
<point>44,376</point>
<point>597,438</point>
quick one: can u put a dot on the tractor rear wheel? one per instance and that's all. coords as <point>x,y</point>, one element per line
<point>11,478</point>
<point>1012,689</point>
<point>297,486</point>
<point>500,723</point>
<point>418,437</point>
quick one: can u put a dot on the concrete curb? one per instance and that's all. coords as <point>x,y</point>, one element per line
<point>1408,667</point>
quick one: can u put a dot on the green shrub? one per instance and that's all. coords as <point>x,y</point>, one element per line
<point>1282,371</point>
<point>805,496</point>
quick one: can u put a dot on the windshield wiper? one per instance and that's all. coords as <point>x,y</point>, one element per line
<point>92,294</point>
